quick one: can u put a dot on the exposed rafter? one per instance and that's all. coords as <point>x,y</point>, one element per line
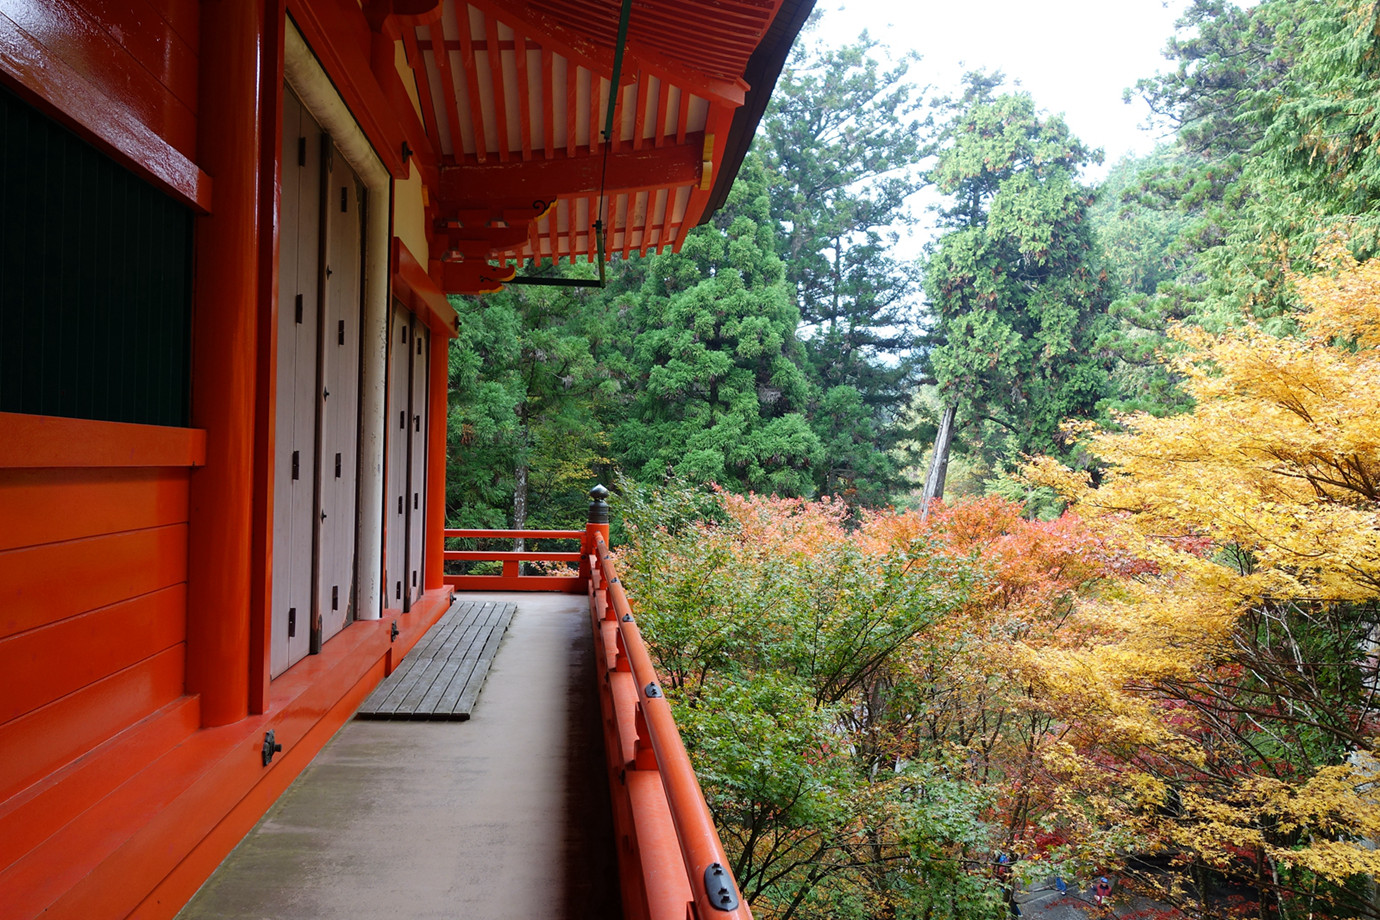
<point>471,185</point>
<point>516,96</point>
<point>597,56</point>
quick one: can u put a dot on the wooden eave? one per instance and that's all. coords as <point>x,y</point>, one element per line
<point>514,96</point>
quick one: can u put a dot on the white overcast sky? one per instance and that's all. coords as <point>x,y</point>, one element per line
<point>1073,56</point>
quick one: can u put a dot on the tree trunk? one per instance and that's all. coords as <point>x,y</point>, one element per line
<point>939,463</point>
<point>520,506</point>
<point>520,470</point>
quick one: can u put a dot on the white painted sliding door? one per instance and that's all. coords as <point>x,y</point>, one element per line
<point>294,483</point>
<point>316,439</point>
<point>416,508</point>
<point>338,456</point>
<point>409,361</point>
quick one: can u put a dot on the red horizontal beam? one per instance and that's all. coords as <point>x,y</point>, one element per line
<point>465,555</point>
<point>474,533</point>
<point>48,441</point>
<point>61,90</point>
<point>420,292</point>
<point>561,584</point>
<point>474,184</point>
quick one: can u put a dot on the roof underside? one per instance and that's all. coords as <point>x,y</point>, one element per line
<point>514,97</point>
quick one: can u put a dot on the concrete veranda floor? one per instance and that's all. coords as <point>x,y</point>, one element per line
<point>503,817</point>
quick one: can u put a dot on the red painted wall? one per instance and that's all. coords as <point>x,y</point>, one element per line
<point>93,604</point>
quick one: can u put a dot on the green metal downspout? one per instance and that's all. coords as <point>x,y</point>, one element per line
<point>618,46</point>
<point>621,42</point>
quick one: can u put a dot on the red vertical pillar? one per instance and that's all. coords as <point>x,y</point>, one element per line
<point>224,356</point>
<point>436,461</point>
<point>270,191</point>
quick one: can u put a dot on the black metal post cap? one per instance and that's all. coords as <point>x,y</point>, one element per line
<point>598,506</point>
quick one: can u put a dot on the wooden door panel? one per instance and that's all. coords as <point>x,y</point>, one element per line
<point>420,353</point>
<point>339,404</point>
<point>295,400</point>
<point>396,426</point>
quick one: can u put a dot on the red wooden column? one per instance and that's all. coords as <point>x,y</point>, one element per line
<point>270,206</point>
<point>230,120</point>
<point>433,577</point>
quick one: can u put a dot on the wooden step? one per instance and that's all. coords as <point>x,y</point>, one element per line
<point>441,677</point>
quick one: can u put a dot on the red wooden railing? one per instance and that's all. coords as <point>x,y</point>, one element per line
<point>512,578</point>
<point>671,862</point>
<point>682,871</point>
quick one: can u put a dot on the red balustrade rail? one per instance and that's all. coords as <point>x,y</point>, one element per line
<point>671,862</point>
<point>678,869</point>
<point>512,578</point>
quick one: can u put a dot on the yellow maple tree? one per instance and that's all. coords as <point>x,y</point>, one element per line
<point>1250,622</point>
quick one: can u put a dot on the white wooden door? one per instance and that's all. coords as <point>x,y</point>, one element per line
<point>397,420</point>
<point>416,487</point>
<point>295,402</point>
<point>339,356</point>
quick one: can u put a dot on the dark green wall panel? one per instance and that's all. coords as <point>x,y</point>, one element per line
<point>95,281</point>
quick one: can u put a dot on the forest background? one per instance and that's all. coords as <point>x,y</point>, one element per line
<point>1052,554</point>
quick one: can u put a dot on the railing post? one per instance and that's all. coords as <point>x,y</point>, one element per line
<point>598,524</point>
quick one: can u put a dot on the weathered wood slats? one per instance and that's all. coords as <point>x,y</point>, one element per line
<point>442,677</point>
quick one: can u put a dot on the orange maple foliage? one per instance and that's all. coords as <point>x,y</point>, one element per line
<point>920,640</point>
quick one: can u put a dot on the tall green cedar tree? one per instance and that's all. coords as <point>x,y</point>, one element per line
<point>1273,106</point>
<point>1018,298</point>
<point>528,372</point>
<point>1275,109</point>
<point>842,142</point>
<point>1140,253</point>
<point>719,395</point>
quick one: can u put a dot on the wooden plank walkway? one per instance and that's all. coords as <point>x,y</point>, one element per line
<point>441,678</point>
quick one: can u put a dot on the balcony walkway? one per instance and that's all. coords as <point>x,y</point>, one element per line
<point>506,815</point>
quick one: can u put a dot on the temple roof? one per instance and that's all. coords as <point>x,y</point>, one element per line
<point>514,95</point>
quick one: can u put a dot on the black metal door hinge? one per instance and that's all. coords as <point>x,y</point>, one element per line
<point>271,747</point>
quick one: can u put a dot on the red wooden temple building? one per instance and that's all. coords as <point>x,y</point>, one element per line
<point>228,233</point>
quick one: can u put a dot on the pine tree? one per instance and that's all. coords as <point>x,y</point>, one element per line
<point>842,140</point>
<point>1018,298</point>
<point>719,396</point>
<point>1144,263</point>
